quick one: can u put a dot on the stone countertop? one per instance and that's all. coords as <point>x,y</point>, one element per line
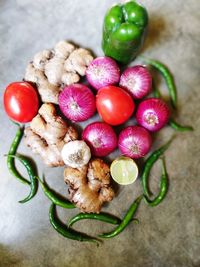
<point>168,235</point>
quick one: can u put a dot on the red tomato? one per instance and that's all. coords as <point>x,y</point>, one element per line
<point>114,105</point>
<point>21,101</point>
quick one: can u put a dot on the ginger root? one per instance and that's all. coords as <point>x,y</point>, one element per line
<point>47,135</point>
<point>89,186</point>
<point>52,69</point>
<point>48,92</point>
<point>78,61</point>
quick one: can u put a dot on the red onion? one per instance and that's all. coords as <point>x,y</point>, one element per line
<point>134,142</point>
<point>101,138</point>
<point>103,71</point>
<point>152,114</point>
<point>77,102</point>
<point>137,81</point>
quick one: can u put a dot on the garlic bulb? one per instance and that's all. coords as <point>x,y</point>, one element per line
<point>76,154</point>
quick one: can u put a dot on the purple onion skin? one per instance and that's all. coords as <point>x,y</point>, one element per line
<point>101,138</point>
<point>153,114</point>
<point>134,142</point>
<point>77,102</point>
<point>137,81</point>
<point>103,71</point>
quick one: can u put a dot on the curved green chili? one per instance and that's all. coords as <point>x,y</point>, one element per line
<point>126,220</point>
<point>54,197</point>
<point>176,126</point>
<point>163,188</point>
<point>32,175</point>
<point>149,164</point>
<point>66,231</point>
<point>167,76</point>
<point>105,217</point>
<point>12,151</point>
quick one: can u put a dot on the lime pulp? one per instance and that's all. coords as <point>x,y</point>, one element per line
<point>124,170</point>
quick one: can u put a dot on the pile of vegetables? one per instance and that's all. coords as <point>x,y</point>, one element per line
<point>118,93</point>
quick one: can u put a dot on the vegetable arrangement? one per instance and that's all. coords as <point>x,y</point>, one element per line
<point>52,79</point>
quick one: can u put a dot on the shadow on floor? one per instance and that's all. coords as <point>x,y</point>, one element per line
<point>157,26</point>
<point>9,258</point>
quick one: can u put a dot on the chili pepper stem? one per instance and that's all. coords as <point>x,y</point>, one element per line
<point>126,220</point>
<point>164,170</point>
<point>17,124</point>
<point>176,126</point>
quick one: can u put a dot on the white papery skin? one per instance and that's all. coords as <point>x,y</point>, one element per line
<point>76,154</point>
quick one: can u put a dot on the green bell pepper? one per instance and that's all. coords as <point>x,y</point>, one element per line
<point>124,31</point>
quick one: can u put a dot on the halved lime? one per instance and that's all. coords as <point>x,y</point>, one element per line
<point>124,170</point>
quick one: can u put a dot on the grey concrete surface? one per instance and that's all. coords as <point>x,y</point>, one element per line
<point>168,235</point>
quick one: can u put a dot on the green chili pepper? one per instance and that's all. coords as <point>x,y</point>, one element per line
<point>105,217</point>
<point>149,164</point>
<point>163,188</point>
<point>167,76</point>
<point>32,175</point>
<point>66,231</point>
<point>55,197</point>
<point>124,31</point>
<point>126,220</point>
<point>176,126</point>
<point>11,160</point>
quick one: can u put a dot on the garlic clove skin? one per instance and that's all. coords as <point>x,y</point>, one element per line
<point>76,154</point>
